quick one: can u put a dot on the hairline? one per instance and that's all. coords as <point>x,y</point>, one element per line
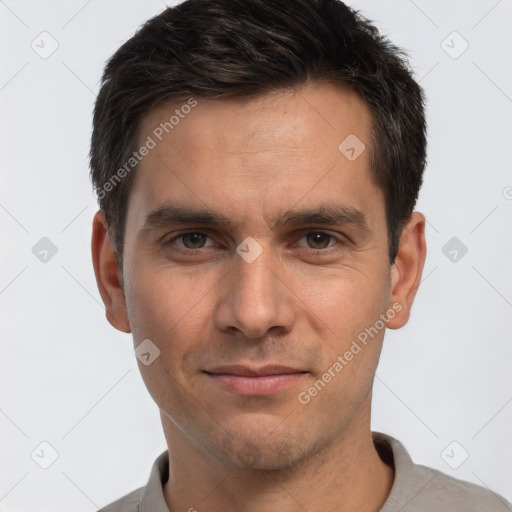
<point>174,100</point>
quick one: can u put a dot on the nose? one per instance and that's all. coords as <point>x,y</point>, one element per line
<point>255,298</point>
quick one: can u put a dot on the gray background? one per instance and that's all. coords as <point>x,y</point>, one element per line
<point>443,387</point>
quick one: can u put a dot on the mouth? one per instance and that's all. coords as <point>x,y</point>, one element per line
<point>252,381</point>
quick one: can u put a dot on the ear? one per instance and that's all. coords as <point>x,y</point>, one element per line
<point>108,274</point>
<point>407,269</point>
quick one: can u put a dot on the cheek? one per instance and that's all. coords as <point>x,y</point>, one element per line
<point>162,310</point>
<point>173,309</point>
<point>346,301</point>
<point>351,344</point>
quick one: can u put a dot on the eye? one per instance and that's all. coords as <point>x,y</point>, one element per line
<point>194,241</point>
<point>191,240</point>
<point>319,240</point>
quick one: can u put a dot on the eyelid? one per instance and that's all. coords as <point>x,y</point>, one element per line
<point>338,237</point>
<point>177,236</point>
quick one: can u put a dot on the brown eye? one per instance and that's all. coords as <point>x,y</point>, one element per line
<point>191,240</point>
<point>318,240</point>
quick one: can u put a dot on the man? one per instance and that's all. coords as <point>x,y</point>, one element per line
<point>257,166</point>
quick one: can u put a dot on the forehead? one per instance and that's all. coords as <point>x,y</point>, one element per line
<point>268,122</point>
<point>257,154</point>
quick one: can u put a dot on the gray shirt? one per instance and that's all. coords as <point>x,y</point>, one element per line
<point>416,488</point>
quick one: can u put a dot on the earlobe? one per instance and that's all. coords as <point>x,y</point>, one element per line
<point>107,272</point>
<point>407,269</point>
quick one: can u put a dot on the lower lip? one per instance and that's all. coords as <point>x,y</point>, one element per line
<point>256,386</point>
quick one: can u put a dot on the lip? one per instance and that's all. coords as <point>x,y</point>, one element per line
<point>252,381</point>
<point>253,371</point>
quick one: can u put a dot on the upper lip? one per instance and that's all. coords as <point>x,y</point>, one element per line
<point>252,371</point>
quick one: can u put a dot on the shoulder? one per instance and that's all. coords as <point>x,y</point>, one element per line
<point>443,492</point>
<point>149,497</point>
<point>128,503</point>
<point>418,488</point>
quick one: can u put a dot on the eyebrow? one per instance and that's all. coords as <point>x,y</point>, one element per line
<point>328,214</point>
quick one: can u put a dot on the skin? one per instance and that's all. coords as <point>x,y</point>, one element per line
<point>252,161</point>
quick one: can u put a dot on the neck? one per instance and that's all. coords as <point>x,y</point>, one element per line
<point>347,475</point>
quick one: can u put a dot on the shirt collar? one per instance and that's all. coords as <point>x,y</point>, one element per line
<point>152,498</point>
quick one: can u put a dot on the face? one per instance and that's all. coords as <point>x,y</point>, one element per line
<point>255,259</point>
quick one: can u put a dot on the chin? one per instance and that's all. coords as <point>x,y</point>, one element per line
<point>260,452</point>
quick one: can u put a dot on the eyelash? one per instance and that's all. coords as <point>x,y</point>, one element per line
<point>311,251</point>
